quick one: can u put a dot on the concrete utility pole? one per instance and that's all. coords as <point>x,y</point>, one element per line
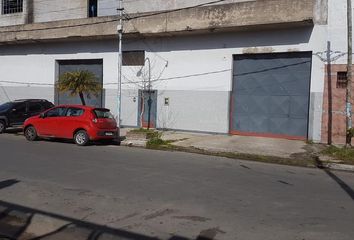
<point>349,73</point>
<point>120,36</point>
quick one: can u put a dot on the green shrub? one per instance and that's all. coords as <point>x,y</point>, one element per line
<point>142,130</point>
<point>155,140</point>
<point>346,154</point>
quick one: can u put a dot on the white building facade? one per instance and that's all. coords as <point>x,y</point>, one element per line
<point>230,68</point>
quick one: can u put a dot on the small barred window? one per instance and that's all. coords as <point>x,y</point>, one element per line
<point>133,58</point>
<point>12,6</point>
<point>342,79</point>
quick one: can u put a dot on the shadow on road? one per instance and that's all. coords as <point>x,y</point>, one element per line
<point>14,130</point>
<point>8,183</point>
<point>16,219</point>
<point>92,143</point>
<point>115,142</point>
<point>341,183</point>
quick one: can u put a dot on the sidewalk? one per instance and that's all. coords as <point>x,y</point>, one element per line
<point>238,144</point>
<point>274,150</point>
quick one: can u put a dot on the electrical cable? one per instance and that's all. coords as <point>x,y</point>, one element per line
<point>114,20</point>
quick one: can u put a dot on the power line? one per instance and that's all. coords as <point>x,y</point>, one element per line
<point>69,9</point>
<point>161,12</point>
<point>27,83</point>
<point>3,89</point>
<point>125,77</point>
<point>53,5</point>
<point>60,27</point>
<point>162,79</point>
<point>115,20</point>
<point>179,77</point>
<point>177,9</point>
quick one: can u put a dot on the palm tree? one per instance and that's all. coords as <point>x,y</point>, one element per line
<point>78,83</point>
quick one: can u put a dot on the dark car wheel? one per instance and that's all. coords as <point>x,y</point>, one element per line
<point>81,138</point>
<point>2,127</point>
<point>31,133</point>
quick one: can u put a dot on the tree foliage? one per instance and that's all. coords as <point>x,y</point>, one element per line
<point>78,83</point>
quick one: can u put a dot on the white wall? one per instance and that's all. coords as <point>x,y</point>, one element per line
<point>46,10</point>
<point>26,92</point>
<point>14,18</point>
<point>337,30</point>
<point>190,69</point>
<point>54,10</point>
<point>108,7</point>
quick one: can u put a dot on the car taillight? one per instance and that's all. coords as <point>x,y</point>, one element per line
<point>94,120</point>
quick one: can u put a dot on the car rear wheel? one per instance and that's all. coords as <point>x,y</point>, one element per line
<point>81,138</point>
<point>2,126</point>
<point>31,133</point>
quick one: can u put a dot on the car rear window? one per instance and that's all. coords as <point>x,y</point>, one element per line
<point>103,113</point>
<point>35,107</point>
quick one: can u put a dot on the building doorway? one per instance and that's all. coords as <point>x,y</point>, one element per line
<point>147,100</point>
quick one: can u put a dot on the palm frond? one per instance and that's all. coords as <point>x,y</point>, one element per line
<point>81,81</point>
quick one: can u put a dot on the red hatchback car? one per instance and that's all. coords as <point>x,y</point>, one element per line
<point>81,123</point>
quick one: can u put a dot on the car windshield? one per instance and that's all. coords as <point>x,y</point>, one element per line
<point>103,113</point>
<point>6,106</point>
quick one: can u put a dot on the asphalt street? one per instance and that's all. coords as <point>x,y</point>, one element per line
<point>58,190</point>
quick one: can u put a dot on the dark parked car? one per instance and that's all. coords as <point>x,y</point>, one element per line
<point>80,123</point>
<point>14,114</point>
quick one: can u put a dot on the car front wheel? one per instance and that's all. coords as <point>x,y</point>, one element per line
<point>81,138</point>
<point>2,127</point>
<point>31,133</point>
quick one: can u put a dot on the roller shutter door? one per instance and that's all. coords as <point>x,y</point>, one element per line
<point>270,94</point>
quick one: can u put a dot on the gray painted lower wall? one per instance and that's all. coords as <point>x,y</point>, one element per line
<point>194,110</point>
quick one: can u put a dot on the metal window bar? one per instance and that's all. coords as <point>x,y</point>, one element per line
<point>342,79</point>
<point>12,6</point>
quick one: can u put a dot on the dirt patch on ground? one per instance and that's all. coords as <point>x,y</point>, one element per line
<point>159,213</point>
<point>192,218</point>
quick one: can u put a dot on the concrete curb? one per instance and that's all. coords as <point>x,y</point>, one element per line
<point>321,161</point>
<point>134,143</point>
<point>300,162</point>
<point>337,166</point>
<point>334,164</point>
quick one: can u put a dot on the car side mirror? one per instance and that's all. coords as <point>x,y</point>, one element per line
<point>42,115</point>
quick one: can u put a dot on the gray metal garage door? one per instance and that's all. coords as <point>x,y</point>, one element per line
<point>270,94</point>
